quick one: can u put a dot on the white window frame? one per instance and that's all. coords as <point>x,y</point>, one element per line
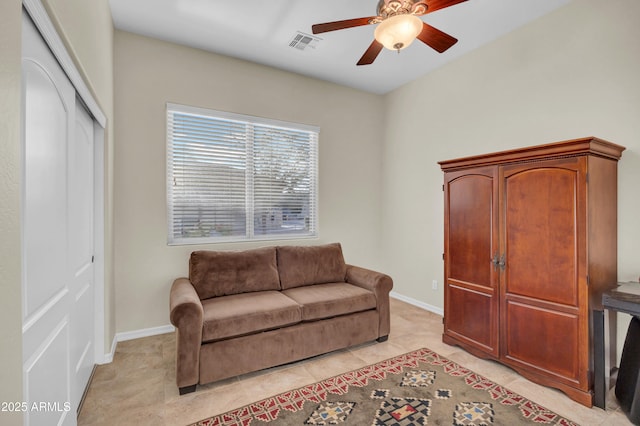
<point>251,122</point>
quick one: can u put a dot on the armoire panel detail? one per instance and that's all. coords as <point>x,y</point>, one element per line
<point>470,246</point>
<point>471,316</point>
<point>541,235</point>
<point>556,351</point>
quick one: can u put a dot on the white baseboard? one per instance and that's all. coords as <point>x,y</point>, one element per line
<point>419,304</point>
<point>136,334</point>
<point>145,332</point>
<point>108,357</point>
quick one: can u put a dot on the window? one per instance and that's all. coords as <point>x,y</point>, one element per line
<point>235,178</point>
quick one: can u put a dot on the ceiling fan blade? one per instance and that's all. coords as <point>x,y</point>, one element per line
<point>371,54</point>
<point>340,25</point>
<point>441,4</point>
<point>435,38</point>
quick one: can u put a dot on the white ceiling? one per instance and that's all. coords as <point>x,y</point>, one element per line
<point>261,31</point>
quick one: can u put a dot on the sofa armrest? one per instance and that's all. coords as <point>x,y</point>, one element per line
<point>380,284</point>
<point>186,314</point>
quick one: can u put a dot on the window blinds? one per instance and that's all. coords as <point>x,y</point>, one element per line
<point>232,177</point>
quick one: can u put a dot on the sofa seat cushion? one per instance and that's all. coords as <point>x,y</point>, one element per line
<point>240,314</point>
<point>331,300</point>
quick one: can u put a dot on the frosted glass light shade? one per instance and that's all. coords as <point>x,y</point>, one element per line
<point>398,32</point>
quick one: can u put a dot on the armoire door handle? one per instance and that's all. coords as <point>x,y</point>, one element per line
<point>502,263</point>
<point>498,262</point>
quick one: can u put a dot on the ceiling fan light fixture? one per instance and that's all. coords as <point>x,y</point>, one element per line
<point>398,32</point>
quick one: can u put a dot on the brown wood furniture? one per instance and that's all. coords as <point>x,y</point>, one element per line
<point>530,245</point>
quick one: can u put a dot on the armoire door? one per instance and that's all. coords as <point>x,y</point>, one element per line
<point>544,312</point>
<point>471,257</point>
<point>58,230</point>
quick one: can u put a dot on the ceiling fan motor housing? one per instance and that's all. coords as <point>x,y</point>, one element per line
<point>389,8</point>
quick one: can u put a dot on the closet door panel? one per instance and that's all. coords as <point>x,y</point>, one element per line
<point>58,298</point>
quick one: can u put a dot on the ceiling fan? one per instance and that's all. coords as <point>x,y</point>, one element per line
<point>398,26</point>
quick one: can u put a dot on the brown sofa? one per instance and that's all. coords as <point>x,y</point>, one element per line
<point>247,310</point>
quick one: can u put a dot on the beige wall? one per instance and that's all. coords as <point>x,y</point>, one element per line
<point>149,73</point>
<point>10,259</point>
<point>88,32</point>
<point>570,74</point>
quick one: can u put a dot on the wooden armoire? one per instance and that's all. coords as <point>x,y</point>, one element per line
<point>530,240</point>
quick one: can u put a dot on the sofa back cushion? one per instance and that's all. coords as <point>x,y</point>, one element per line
<point>221,273</point>
<point>306,265</point>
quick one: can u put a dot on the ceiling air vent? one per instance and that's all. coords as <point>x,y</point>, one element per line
<point>301,41</point>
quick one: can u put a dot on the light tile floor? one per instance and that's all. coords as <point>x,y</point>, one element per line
<point>138,387</point>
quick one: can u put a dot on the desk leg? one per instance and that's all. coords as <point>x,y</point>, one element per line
<point>628,383</point>
<point>599,387</point>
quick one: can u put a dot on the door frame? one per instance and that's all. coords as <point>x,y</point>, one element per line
<point>38,14</point>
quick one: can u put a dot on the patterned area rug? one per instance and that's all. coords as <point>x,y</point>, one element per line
<point>417,388</point>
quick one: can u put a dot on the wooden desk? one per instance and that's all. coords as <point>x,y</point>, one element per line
<point>624,298</point>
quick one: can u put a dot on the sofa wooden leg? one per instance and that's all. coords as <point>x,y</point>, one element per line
<point>382,338</point>
<point>187,389</point>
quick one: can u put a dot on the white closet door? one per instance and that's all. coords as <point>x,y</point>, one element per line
<point>58,230</point>
<point>80,228</point>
